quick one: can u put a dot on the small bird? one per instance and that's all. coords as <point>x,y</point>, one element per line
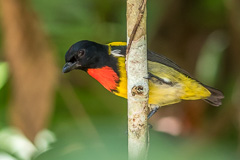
<point>168,83</point>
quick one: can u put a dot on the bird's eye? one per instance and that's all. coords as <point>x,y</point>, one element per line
<point>80,53</point>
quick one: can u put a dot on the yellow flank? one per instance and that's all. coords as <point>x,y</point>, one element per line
<point>122,86</point>
<point>115,44</point>
<point>160,93</point>
<point>182,86</point>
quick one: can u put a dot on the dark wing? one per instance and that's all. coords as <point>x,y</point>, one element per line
<point>216,95</point>
<point>164,60</point>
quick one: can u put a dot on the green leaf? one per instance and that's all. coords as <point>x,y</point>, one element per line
<point>3,73</point>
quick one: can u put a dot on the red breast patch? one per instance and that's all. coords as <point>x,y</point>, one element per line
<point>106,76</point>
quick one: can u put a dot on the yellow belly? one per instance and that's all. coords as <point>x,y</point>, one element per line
<point>161,93</point>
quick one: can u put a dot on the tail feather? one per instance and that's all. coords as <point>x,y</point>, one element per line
<point>216,96</point>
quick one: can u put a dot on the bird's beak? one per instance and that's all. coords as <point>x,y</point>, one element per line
<point>69,66</point>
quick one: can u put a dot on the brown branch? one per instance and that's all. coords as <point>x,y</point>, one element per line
<point>32,63</point>
<point>139,19</point>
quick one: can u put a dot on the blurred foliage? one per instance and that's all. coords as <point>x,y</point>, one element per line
<point>114,146</point>
<point>208,66</point>
<point>91,123</point>
<point>3,73</point>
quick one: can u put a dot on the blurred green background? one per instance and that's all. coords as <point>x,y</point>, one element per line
<point>81,119</point>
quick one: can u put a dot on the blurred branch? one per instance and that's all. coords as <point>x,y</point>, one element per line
<point>233,8</point>
<point>32,65</point>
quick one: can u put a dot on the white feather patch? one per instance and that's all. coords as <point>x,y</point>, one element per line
<point>166,80</point>
<point>116,53</point>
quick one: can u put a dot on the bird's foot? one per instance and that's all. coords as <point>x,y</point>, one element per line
<point>152,112</point>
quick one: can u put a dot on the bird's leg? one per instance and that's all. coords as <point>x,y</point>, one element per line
<point>153,111</point>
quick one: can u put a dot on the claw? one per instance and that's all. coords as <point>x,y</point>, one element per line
<point>150,126</point>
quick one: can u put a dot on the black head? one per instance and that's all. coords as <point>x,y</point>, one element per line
<point>85,54</point>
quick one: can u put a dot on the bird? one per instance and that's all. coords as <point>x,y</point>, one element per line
<point>168,82</point>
